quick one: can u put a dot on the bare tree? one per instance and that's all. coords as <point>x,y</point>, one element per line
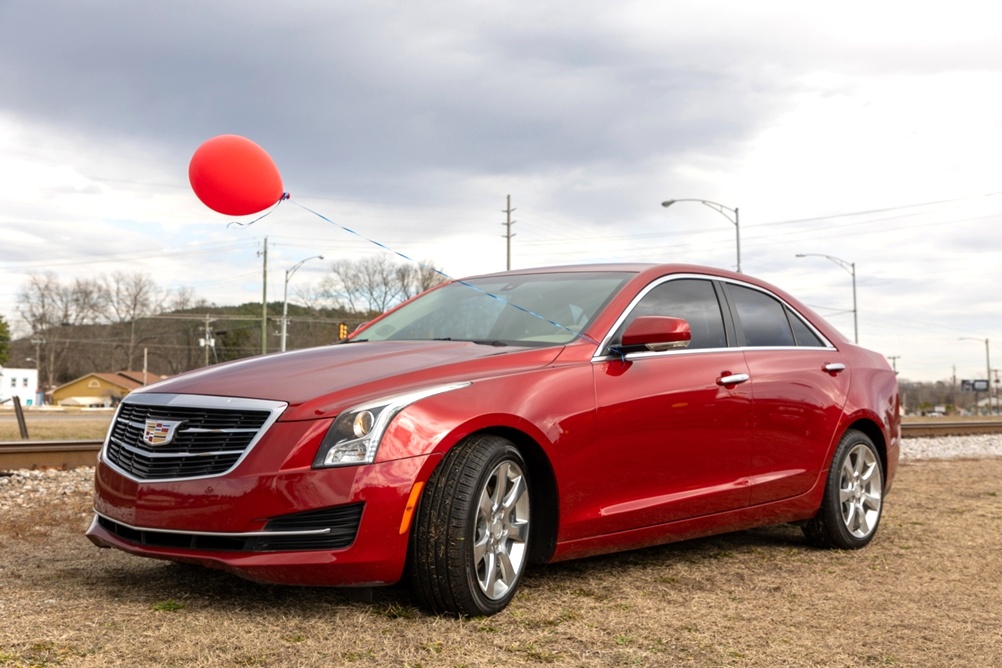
<point>47,305</point>
<point>374,284</point>
<point>128,298</point>
<point>416,278</point>
<point>365,285</point>
<point>311,296</point>
<point>185,299</point>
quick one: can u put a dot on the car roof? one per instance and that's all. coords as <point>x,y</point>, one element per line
<point>630,267</point>
<point>646,272</point>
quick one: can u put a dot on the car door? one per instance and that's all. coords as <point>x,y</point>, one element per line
<point>800,386</point>
<point>673,428</point>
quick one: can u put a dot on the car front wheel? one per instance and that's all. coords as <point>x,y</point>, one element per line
<point>853,500</point>
<point>470,540</point>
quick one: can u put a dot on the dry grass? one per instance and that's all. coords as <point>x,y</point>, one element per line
<point>926,592</point>
<point>61,426</point>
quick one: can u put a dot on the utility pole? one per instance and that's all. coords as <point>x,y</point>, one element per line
<point>508,235</point>
<point>894,362</point>
<point>956,406</point>
<point>994,405</point>
<point>264,301</point>
<point>988,372</point>
<point>209,341</point>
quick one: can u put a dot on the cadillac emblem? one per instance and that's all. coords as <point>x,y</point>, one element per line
<point>160,432</point>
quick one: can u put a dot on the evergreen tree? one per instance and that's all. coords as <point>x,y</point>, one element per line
<point>4,341</point>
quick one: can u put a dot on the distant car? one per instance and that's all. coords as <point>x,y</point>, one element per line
<point>523,417</point>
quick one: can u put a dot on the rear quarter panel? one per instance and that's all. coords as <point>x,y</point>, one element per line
<point>874,400</point>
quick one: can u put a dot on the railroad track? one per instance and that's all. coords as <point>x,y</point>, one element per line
<point>47,454</point>
<point>71,454</point>
<point>950,428</point>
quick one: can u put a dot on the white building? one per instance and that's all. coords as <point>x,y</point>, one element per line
<point>21,383</point>
<point>990,406</point>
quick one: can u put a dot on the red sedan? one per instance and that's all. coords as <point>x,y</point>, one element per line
<point>529,416</point>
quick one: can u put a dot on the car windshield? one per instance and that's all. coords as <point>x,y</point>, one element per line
<point>513,309</point>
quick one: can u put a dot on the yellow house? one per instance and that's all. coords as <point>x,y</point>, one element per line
<point>101,389</point>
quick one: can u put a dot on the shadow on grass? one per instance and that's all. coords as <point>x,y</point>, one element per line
<point>125,578</point>
<point>131,579</point>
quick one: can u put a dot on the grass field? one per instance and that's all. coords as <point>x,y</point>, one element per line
<point>53,426</point>
<point>924,593</point>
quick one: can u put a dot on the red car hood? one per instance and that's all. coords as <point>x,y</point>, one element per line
<point>321,380</point>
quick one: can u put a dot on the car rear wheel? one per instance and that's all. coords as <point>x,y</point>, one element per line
<point>470,540</point>
<point>853,500</point>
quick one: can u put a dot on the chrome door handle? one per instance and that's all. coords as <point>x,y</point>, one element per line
<point>834,367</point>
<point>733,379</point>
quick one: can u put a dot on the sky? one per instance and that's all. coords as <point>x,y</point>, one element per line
<point>867,132</point>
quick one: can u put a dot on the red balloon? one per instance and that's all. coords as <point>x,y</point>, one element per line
<point>234,176</point>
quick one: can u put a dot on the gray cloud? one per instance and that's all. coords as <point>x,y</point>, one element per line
<point>413,120</point>
<point>338,93</point>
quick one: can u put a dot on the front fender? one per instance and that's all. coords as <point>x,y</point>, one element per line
<point>554,407</point>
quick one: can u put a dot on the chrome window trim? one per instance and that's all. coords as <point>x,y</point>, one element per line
<point>275,409</point>
<point>218,534</point>
<point>599,356</point>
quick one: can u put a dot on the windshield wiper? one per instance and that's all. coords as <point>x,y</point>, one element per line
<point>480,342</point>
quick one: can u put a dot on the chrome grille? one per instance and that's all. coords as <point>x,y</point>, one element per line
<point>213,436</point>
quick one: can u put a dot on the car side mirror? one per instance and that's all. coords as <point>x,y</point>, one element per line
<point>656,333</point>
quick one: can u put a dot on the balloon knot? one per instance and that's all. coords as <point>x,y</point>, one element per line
<point>284,197</point>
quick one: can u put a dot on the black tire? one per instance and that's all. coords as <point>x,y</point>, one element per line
<point>854,496</point>
<point>467,558</point>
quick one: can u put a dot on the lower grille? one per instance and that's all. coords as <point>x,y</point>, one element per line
<point>340,526</point>
<point>342,521</point>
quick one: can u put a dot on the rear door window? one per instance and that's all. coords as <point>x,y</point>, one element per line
<point>762,318</point>
<point>805,335</point>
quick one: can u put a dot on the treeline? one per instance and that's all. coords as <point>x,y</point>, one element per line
<point>920,398</point>
<point>123,321</point>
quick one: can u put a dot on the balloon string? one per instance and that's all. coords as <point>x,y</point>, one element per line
<point>274,206</point>
<point>439,272</point>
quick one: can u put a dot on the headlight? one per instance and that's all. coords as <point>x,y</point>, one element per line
<point>355,435</point>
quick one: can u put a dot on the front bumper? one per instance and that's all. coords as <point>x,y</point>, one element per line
<point>253,524</point>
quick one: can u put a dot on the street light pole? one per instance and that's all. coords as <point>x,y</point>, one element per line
<point>264,299</point>
<point>721,209</point>
<point>851,268</point>
<point>285,297</point>
<point>988,370</point>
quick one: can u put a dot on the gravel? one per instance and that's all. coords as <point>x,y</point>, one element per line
<point>28,489</point>
<point>977,446</point>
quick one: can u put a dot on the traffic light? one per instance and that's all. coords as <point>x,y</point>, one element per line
<point>342,331</point>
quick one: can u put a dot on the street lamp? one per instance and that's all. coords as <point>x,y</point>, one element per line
<point>988,370</point>
<point>721,209</point>
<point>285,297</point>
<point>851,268</point>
